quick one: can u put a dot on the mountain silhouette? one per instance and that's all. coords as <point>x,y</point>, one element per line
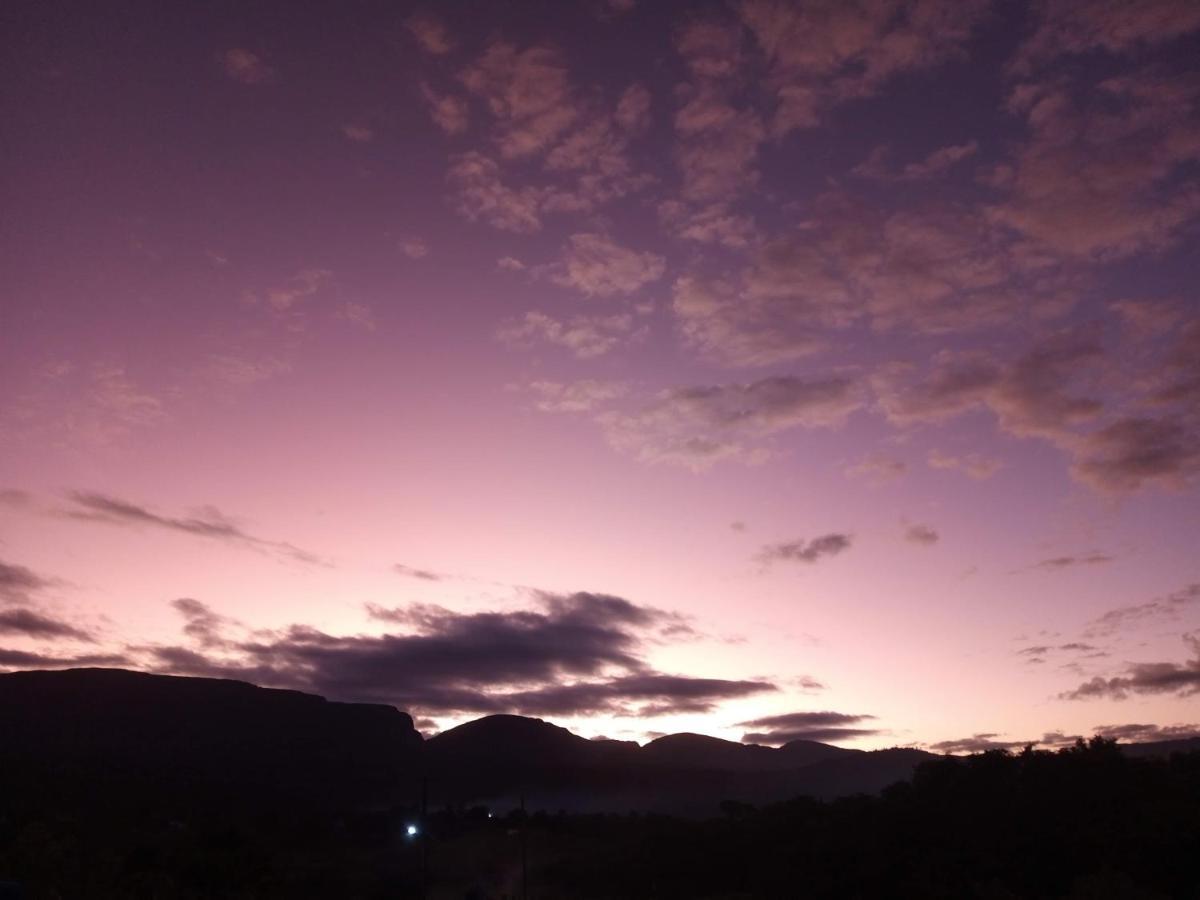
<point>116,735</point>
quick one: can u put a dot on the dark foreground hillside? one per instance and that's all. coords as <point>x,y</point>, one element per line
<point>120,785</point>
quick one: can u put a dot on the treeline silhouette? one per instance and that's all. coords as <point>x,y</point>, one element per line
<point>1084,822</point>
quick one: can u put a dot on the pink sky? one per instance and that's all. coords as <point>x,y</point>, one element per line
<point>643,367</point>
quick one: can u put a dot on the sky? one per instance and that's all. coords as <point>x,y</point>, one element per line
<point>770,370</point>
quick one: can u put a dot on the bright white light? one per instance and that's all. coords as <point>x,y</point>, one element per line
<point>412,830</point>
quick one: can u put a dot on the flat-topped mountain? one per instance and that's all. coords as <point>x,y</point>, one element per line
<point>136,738</point>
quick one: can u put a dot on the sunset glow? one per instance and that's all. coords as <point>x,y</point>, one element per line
<point>757,369</point>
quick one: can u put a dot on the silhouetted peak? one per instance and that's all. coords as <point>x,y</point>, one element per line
<point>805,752</point>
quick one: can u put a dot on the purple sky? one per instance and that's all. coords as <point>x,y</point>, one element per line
<point>809,369</point>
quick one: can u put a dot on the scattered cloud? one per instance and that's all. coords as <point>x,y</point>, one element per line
<point>936,163</point>
<point>807,726</point>
<point>925,535</point>
<point>577,396</point>
<point>976,743</point>
<point>448,111</point>
<point>358,314</point>
<point>1100,175</point>
<point>414,247</point>
<point>1180,679</point>
<point>430,33</point>
<point>208,522</point>
<point>571,654</point>
<point>697,426</point>
<point>358,133</point>
<point>480,195</point>
<point>39,626</point>
<point>1057,563</point>
<point>202,625</point>
<point>805,551</point>
<point>877,469</point>
<point>1132,453</point>
<point>411,572</point>
<point>1143,734</point>
<point>247,67</point>
<point>18,583</point>
<point>1167,608</point>
<point>1036,395</point>
<point>976,465</point>
<point>585,336</point>
<point>528,94</point>
<point>1070,27</point>
<point>598,266</point>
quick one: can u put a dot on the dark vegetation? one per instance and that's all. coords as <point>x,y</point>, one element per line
<point>118,785</point>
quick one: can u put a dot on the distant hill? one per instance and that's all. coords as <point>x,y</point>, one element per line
<point>121,736</point>
<point>699,751</point>
<point>130,736</point>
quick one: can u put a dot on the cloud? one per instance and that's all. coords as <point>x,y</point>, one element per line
<point>1104,173</point>
<point>714,223</point>
<point>410,572</point>
<point>921,534</point>
<point>247,67</point>
<point>975,465</point>
<point>414,247</point>
<point>358,133</point>
<point>1135,733</point>
<point>1115,26</point>
<point>806,726</point>
<point>596,265</point>
<point>528,94</point>
<point>1180,679</point>
<point>18,583</point>
<point>575,397</point>
<point>1037,654</point>
<point>448,111</point>
<point>571,654</point>
<point>928,269</point>
<point>240,371</point>
<point>643,695</point>
<point>287,298</point>
<point>15,498</point>
<point>31,624</point>
<point>1033,396</point>
<point>1058,563</point>
<point>633,108</point>
<point>699,425</point>
<point>976,743</point>
<point>585,336</point>
<point>805,551</point>
<point>1132,453</point>
<point>822,54</point>
<point>936,163</point>
<point>202,624</point>
<point>481,195</point>
<point>358,314</point>
<point>430,33</point>
<point>1053,392</point>
<point>1132,733</point>
<point>878,469</point>
<point>208,522</point>
<point>1168,608</point>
